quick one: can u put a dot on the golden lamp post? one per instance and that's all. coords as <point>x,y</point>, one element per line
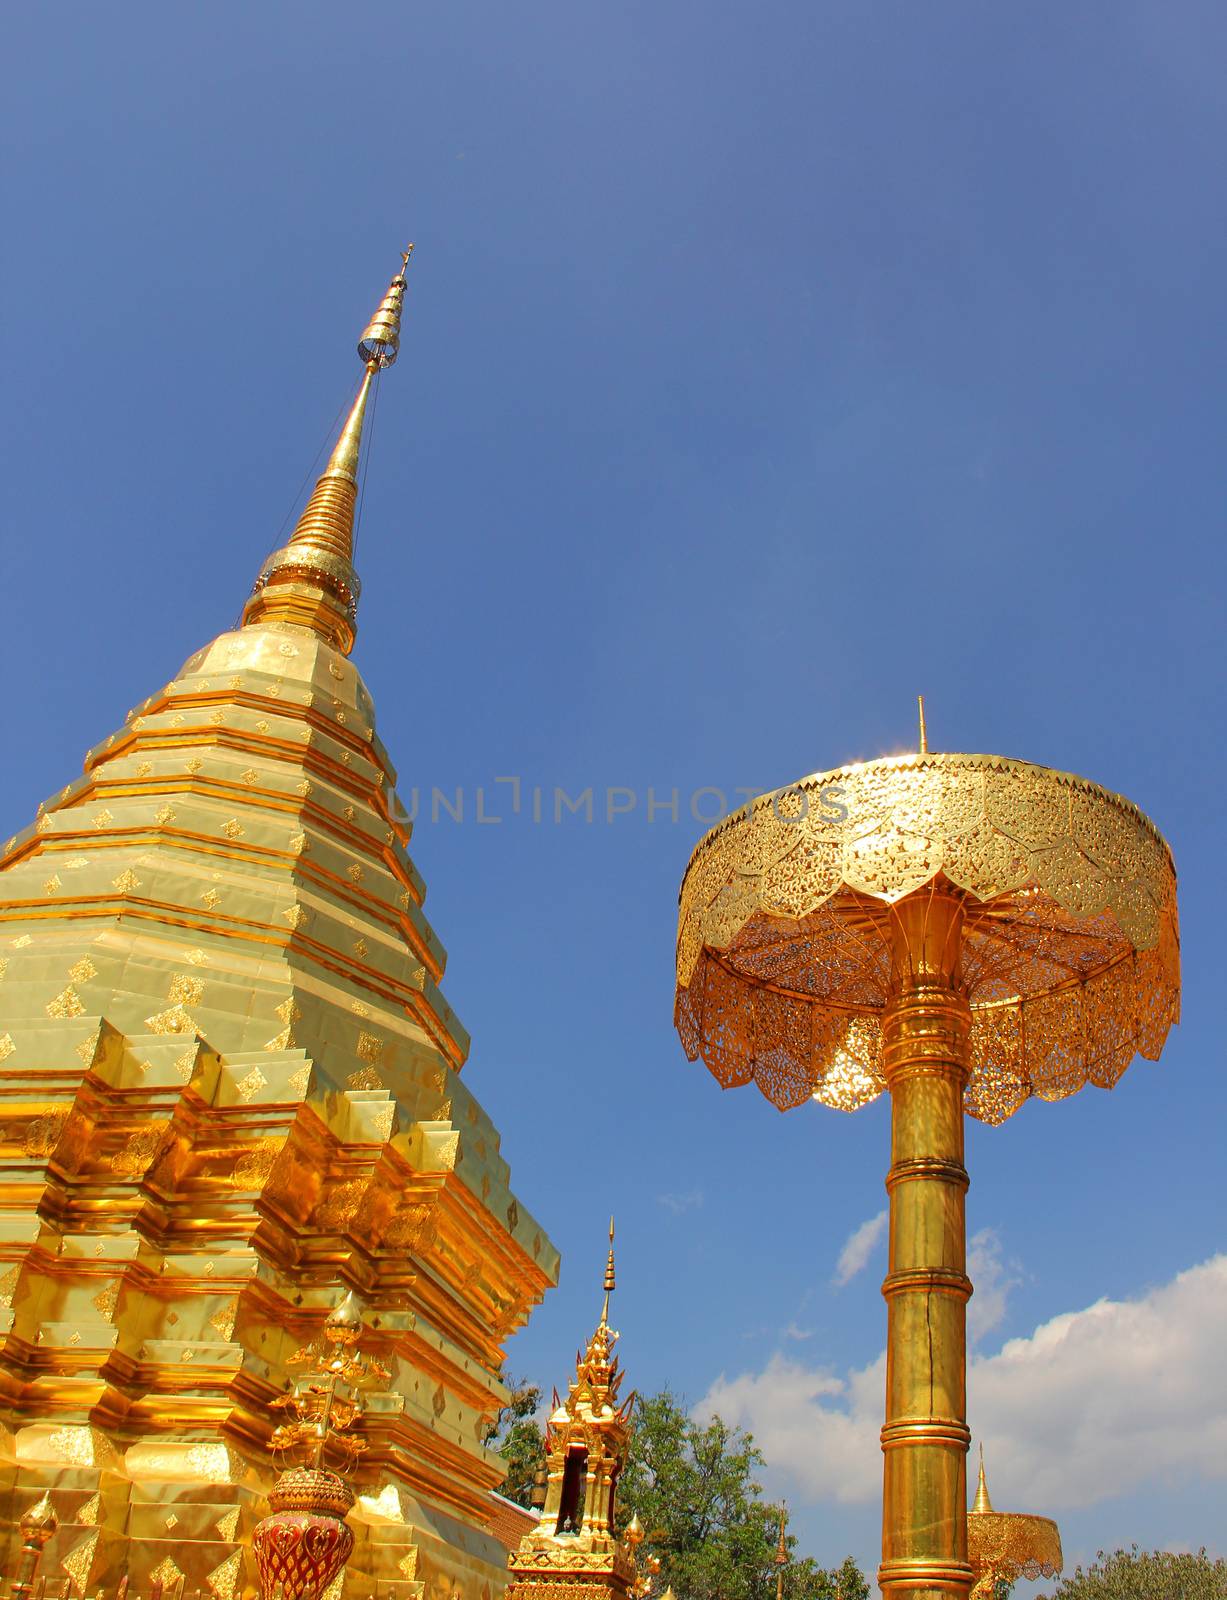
<point>963,931</point>
<point>1004,1546</point>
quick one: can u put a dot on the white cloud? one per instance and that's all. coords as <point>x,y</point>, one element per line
<point>993,1281</point>
<point>677,1203</point>
<point>1093,1404</point>
<point>859,1246</point>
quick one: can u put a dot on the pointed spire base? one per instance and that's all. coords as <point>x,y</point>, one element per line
<point>310,582</point>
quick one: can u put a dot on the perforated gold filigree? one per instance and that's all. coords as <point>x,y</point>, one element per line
<point>1009,1546</point>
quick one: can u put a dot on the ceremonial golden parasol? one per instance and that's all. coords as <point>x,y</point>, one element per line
<point>1004,1546</point>
<point>964,931</point>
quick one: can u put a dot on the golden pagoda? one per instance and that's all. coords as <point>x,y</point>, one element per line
<point>573,1553</point>
<point>230,1093</point>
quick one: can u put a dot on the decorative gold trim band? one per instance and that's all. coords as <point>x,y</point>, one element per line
<point>928,1280</point>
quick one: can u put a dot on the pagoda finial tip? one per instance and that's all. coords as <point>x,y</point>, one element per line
<point>982,1501</point>
<point>924,734</point>
<point>311,582</point>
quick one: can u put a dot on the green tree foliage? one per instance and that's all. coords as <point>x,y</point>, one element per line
<point>1147,1575</point>
<point>694,1490</point>
<point>519,1439</point>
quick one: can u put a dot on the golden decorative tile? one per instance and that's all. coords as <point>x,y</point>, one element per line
<point>102,819</point>
<point>88,1049</point>
<point>8,1286</point>
<point>296,915</point>
<point>82,971</point>
<point>186,1063</point>
<point>227,1525</point>
<point>66,1004</point>
<point>358,1009</point>
<point>370,1047</point>
<point>145,768</point>
<point>366,1078</point>
<point>126,881</point>
<point>79,1560</point>
<point>300,1080</point>
<point>185,989</point>
<point>166,1573</point>
<point>53,883</point>
<point>249,776</point>
<point>174,1020</point>
<point>360,948</point>
<point>105,1301</point>
<point>280,1041</point>
<point>305,787</point>
<point>355,872</point>
<point>233,829</point>
<point>261,726</point>
<point>223,1319</point>
<point>299,844</point>
<point>225,1579</point>
<point>196,957</point>
<point>164,814</point>
<point>194,765</point>
<point>170,1522</point>
<point>249,1086</point>
<point>22,941</point>
<point>348,813</point>
<point>87,1514</point>
<point>210,898</point>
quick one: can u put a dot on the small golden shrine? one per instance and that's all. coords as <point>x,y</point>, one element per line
<point>573,1553</point>
<point>229,1093</point>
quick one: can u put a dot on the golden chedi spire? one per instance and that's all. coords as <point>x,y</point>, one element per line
<point>232,1091</point>
<point>311,582</point>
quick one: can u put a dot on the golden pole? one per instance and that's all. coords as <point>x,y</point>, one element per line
<point>925,1435</point>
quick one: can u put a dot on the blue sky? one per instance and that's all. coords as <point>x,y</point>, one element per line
<point>762,367</point>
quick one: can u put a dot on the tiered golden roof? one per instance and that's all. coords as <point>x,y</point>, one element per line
<point>229,1087</point>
